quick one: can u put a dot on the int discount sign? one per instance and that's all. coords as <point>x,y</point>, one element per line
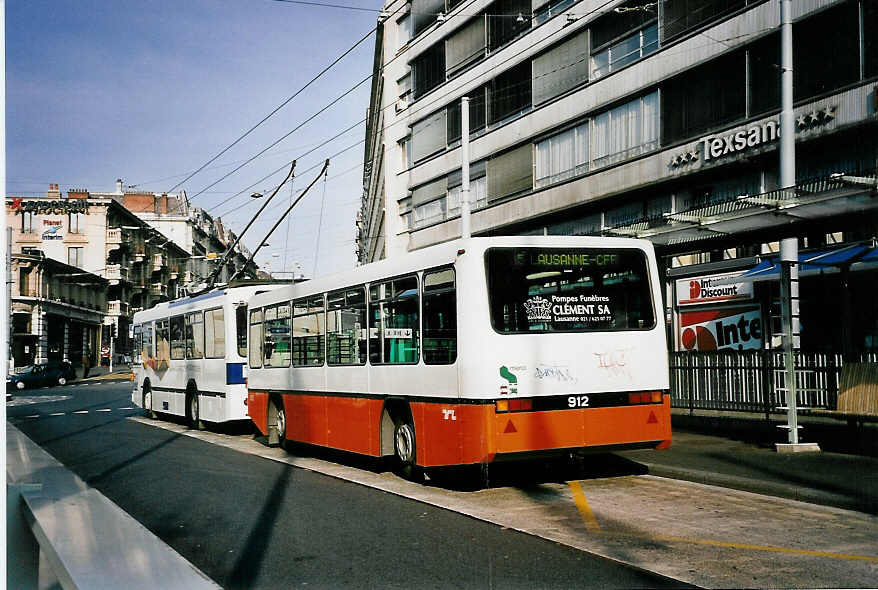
<point>712,289</point>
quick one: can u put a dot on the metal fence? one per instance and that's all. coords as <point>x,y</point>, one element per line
<point>754,381</point>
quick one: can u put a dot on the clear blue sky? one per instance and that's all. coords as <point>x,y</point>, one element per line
<point>149,90</point>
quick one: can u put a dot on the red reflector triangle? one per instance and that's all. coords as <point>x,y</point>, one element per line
<point>652,418</point>
<point>510,427</point>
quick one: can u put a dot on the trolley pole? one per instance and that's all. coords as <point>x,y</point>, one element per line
<point>465,212</point>
<point>789,247</point>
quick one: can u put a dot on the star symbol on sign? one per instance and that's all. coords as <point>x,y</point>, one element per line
<point>814,117</point>
<point>828,113</point>
<point>693,155</point>
<point>675,161</point>
<point>800,122</point>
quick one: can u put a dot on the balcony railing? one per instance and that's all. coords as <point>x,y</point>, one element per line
<point>117,308</point>
<point>158,289</point>
<point>114,237</point>
<point>117,272</point>
<point>158,261</point>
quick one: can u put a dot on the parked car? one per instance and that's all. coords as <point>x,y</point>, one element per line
<point>51,373</point>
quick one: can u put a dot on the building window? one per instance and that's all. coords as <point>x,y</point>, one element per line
<point>75,256</point>
<point>393,322</point>
<point>544,10</point>
<point>625,51</point>
<point>764,71</point>
<point>309,331</point>
<point>405,152</point>
<point>404,86</point>
<point>404,31</point>
<point>827,55</point>
<point>346,327</point>
<point>626,131</point>
<point>424,14</point>
<point>276,329</point>
<point>440,318</point>
<point>870,38</point>
<point>465,46</point>
<point>477,189</point>
<point>562,156</point>
<point>706,97</point>
<point>428,202</point>
<point>503,21</point>
<point>560,69</point>
<point>681,16</point>
<point>76,222</point>
<point>510,173</point>
<point>509,93</point>
<point>428,136</point>
<point>27,222</point>
<point>428,70</point>
<point>477,120</point>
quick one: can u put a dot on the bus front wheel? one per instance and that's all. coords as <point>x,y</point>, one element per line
<point>147,402</point>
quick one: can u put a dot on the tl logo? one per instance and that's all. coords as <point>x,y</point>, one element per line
<point>448,414</point>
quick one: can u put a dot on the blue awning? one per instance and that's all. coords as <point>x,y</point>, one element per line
<point>813,263</point>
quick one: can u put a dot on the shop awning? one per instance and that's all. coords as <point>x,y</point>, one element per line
<point>858,256</point>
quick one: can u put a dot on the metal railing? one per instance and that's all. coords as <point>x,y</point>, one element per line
<point>754,381</point>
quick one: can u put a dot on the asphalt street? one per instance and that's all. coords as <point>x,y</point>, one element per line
<point>248,522</point>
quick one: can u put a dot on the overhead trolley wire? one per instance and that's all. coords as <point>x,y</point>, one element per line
<point>269,115</point>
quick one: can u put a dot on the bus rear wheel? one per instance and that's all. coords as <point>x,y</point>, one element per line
<point>406,450</point>
<point>280,424</point>
<point>147,402</point>
<point>195,422</point>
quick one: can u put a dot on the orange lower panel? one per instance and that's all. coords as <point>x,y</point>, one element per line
<point>460,434</point>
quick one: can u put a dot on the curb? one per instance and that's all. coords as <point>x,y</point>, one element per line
<point>769,488</point>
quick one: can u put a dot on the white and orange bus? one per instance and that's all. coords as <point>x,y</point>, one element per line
<point>469,352</point>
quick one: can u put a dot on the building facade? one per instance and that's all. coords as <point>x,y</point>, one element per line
<point>656,120</point>
<point>57,311</point>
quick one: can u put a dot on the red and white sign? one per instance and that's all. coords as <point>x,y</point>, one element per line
<point>738,328</point>
<point>712,289</point>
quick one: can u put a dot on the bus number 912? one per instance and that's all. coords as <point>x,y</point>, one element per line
<point>577,401</point>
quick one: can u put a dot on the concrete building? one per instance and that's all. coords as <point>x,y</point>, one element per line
<point>656,120</point>
<point>58,310</point>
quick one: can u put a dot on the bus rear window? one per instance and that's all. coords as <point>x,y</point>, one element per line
<point>538,290</point>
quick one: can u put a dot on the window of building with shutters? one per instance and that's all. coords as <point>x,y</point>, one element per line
<point>428,70</point>
<point>477,115</point>
<point>506,20</point>
<point>510,173</point>
<point>465,46</point>
<point>562,156</point>
<point>561,68</point>
<point>621,39</point>
<point>509,94</point>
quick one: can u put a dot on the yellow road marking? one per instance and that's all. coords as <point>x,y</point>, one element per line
<point>592,525</point>
<point>584,509</point>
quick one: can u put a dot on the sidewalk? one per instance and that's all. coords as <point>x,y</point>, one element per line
<point>732,451</point>
<point>121,372</point>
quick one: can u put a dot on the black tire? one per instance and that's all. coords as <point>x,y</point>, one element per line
<point>147,402</point>
<point>280,423</point>
<point>405,448</point>
<point>194,412</point>
<point>62,380</point>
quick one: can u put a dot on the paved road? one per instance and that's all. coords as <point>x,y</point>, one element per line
<point>249,522</point>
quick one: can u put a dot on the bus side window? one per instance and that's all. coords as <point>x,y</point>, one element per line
<point>178,338</point>
<point>146,353</point>
<point>162,342</point>
<point>255,339</point>
<point>309,331</point>
<point>276,333</point>
<point>393,321</point>
<point>440,317</point>
<point>138,344</point>
<point>194,335</point>
<point>346,323</point>
<point>214,334</point>
<point>241,329</point>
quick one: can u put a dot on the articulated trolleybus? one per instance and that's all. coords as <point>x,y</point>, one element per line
<point>469,352</point>
<point>190,356</point>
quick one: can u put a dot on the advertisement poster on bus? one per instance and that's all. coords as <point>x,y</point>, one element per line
<point>736,328</point>
<point>712,289</point>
